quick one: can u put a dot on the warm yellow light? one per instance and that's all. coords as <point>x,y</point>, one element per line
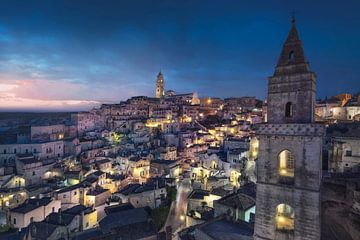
<point>209,101</point>
<point>281,219</point>
<point>283,171</point>
<point>182,217</point>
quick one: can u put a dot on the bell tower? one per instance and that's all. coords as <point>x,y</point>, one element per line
<point>291,96</point>
<point>159,85</point>
<point>290,149</point>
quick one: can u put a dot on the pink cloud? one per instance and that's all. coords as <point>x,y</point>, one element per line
<point>43,94</point>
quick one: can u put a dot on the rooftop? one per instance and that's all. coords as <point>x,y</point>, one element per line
<point>221,229</point>
<point>118,208</point>
<point>237,200</point>
<point>32,204</point>
<point>61,219</point>
<point>198,194</point>
<point>103,161</point>
<point>123,218</point>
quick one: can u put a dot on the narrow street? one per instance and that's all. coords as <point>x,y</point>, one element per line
<point>176,217</point>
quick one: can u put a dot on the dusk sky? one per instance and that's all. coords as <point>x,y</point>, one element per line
<point>70,55</point>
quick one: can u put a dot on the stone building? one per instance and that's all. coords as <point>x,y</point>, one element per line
<point>159,85</point>
<point>289,161</point>
<point>344,147</point>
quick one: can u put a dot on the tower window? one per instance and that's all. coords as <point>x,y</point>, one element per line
<point>291,56</point>
<point>286,163</point>
<point>288,109</point>
<point>284,217</point>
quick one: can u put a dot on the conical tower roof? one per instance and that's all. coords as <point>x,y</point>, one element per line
<point>292,51</point>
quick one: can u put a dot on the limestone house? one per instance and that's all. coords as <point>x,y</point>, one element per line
<point>33,210</point>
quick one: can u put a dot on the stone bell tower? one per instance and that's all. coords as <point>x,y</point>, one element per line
<point>159,85</point>
<point>290,148</point>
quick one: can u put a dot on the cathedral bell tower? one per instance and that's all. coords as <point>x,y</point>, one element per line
<point>159,86</point>
<point>290,151</point>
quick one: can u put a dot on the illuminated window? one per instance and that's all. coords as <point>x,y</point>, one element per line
<point>284,217</point>
<point>286,163</point>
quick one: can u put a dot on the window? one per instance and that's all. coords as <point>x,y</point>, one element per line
<point>53,209</point>
<point>33,173</point>
<point>64,196</point>
<point>34,150</point>
<point>31,219</point>
<point>15,151</point>
<point>75,193</point>
<point>288,109</point>
<point>26,151</point>
<point>87,224</point>
<point>14,221</point>
<point>348,153</point>
<point>4,151</point>
<point>291,56</point>
<point>284,218</point>
<point>286,163</point>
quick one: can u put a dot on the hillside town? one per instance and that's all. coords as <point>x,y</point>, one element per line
<point>179,166</point>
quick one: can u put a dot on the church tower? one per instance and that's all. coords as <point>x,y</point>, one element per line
<point>290,151</point>
<point>159,85</point>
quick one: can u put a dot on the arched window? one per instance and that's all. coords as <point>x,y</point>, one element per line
<point>284,218</point>
<point>288,109</point>
<point>291,56</point>
<point>286,163</point>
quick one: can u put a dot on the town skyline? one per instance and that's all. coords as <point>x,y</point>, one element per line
<point>217,50</point>
<point>193,152</point>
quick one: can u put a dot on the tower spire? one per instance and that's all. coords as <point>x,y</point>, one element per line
<point>292,52</point>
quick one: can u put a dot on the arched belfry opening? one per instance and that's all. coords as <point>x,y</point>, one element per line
<point>291,56</point>
<point>286,163</point>
<point>288,110</point>
<point>284,219</point>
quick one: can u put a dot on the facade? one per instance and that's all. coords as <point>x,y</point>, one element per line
<point>238,206</point>
<point>150,194</point>
<point>344,147</point>
<point>45,150</point>
<point>33,170</point>
<point>290,146</point>
<point>33,210</point>
<point>160,85</point>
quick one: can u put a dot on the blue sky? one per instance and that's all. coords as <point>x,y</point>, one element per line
<point>76,54</point>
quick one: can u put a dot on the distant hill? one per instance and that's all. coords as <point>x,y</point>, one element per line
<point>13,119</point>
